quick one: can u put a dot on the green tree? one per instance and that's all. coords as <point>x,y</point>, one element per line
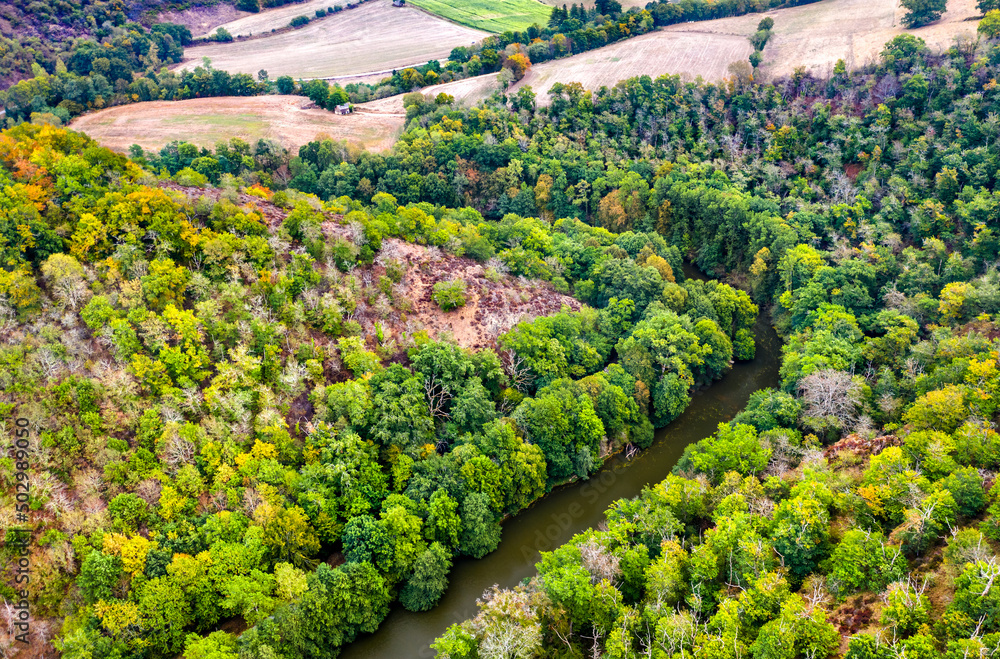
<point>166,613</point>
<point>288,534</point>
<point>64,277</point>
<point>429,579</point>
<point>165,284</point>
<point>862,561</point>
<point>99,575</point>
<point>976,595</point>
<point>941,409</point>
<point>801,532</point>
<point>989,26</point>
<point>734,447</point>
<point>565,426</point>
<point>798,631</point>
<point>217,645</point>
<point>400,416</point>
<point>480,529</point>
<point>449,295</point>
<point>127,511</point>
<point>923,524</point>
<point>906,608</point>
<point>443,525</point>
<point>922,12</point>
<point>406,532</point>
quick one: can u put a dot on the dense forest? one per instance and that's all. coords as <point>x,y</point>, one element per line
<point>850,512</point>
<point>233,415</point>
<point>222,408</point>
<point>36,32</point>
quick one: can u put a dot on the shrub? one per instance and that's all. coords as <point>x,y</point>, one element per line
<point>127,511</point>
<point>299,21</point>
<point>190,178</point>
<point>449,294</point>
<point>395,270</point>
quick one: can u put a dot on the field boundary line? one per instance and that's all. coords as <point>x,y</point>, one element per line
<point>369,73</point>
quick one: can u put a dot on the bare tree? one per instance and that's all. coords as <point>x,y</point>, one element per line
<point>251,500</point>
<point>831,395</point>
<point>894,298</point>
<point>178,452</point>
<point>507,625</point>
<point>437,398</point>
<point>149,490</point>
<point>518,372</point>
<point>600,562</point>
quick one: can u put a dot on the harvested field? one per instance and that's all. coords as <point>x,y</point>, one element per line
<point>490,15</point>
<point>817,35</point>
<point>467,92</point>
<point>814,36</point>
<point>374,37</point>
<point>274,19</point>
<point>290,120</point>
<point>686,53</point>
<point>658,53</point>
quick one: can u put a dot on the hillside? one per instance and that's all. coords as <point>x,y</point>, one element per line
<point>817,35</point>
<point>814,36</point>
<point>245,24</point>
<point>495,301</point>
<point>263,324</point>
<point>664,52</point>
<point>202,20</point>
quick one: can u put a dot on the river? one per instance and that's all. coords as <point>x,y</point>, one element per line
<point>571,509</point>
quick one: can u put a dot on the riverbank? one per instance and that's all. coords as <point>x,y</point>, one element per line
<point>573,508</point>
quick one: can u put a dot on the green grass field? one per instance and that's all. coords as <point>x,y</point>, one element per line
<point>489,15</point>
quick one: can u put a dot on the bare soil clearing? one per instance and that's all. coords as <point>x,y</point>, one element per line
<point>289,120</point>
<point>491,308</point>
<point>373,37</point>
